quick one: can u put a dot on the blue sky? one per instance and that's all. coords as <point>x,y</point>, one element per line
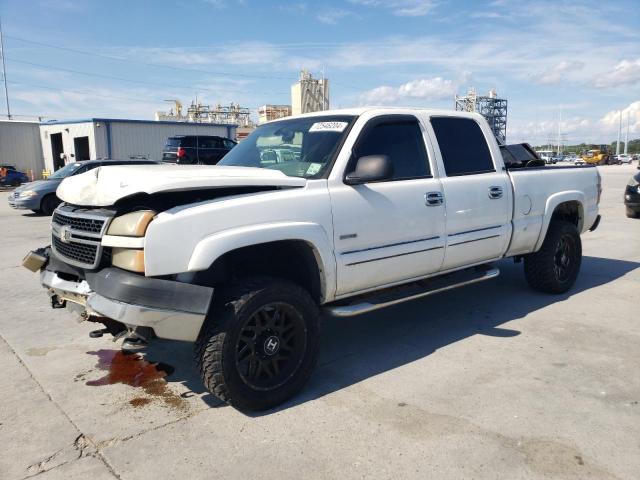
<point>573,62</point>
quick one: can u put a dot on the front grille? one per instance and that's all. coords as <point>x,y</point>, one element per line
<point>78,252</point>
<point>76,236</point>
<point>92,225</point>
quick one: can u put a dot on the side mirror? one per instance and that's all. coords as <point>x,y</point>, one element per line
<point>371,168</point>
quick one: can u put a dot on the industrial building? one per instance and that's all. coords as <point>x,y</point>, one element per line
<point>492,108</point>
<point>20,146</point>
<point>69,141</point>
<point>266,113</point>
<point>309,94</point>
<point>232,114</point>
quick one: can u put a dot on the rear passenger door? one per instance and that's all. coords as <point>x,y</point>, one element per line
<point>477,194</point>
<point>210,150</point>
<point>391,231</point>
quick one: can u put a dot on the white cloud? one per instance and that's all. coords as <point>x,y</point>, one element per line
<point>611,120</point>
<point>332,16</point>
<point>558,72</point>
<point>401,8</point>
<point>627,72</point>
<point>436,88</point>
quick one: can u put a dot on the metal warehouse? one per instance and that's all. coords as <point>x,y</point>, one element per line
<point>73,140</point>
<point>20,146</point>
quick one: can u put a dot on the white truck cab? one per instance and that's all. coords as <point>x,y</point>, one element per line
<point>343,211</point>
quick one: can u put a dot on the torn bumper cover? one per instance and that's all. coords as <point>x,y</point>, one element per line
<point>174,310</point>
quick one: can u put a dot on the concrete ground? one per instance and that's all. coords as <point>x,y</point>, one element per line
<point>492,381</point>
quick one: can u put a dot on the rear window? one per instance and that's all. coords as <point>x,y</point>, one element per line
<point>173,142</point>
<point>463,146</point>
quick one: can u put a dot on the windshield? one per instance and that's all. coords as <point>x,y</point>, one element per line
<point>65,171</point>
<point>300,147</point>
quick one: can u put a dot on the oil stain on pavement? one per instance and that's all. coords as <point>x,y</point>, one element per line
<point>133,370</point>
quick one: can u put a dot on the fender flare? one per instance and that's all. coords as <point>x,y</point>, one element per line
<point>552,202</point>
<point>212,247</point>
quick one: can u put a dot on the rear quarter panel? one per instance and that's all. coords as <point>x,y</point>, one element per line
<point>537,192</point>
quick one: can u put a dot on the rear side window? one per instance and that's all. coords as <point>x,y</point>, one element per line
<point>402,142</point>
<point>462,145</point>
<point>209,142</point>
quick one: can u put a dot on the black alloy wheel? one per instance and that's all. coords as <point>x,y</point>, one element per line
<point>271,346</point>
<point>562,262</point>
<point>259,343</point>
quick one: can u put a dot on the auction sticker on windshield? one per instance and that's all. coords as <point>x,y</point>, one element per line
<point>328,127</point>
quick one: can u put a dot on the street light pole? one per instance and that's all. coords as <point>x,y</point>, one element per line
<point>4,73</point>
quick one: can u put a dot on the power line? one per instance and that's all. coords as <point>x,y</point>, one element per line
<point>150,64</point>
<point>142,82</point>
<point>92,94</point>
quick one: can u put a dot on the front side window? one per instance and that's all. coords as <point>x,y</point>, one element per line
<point>299,147</point>
<point>402,142</point>
<point>66,171</point>
<point>462,145</point>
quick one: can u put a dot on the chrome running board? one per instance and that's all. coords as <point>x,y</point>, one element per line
<point>412,291</point>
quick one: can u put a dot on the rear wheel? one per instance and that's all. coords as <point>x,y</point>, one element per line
<point>259,344</point>
<point>49,204</point>
<point>554,268</point>
<point>631,213</point>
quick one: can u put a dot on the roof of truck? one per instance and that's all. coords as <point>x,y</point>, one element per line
<point>357,111</point>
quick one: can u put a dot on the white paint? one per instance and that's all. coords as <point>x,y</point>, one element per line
<point>364,237</point>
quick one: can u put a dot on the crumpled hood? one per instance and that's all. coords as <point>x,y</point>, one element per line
<point>103,186</point>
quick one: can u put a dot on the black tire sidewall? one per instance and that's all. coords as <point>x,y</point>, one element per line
<point>539,267</point>
<point>242,395</point>
<point>49,204</point>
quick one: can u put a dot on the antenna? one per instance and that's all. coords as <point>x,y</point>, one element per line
<point>4,73</point>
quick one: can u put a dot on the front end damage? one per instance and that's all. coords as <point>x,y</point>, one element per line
<point>78,272</point>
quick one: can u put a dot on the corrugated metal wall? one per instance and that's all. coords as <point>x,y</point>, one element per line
<point>127,138</point>
<point>148,139</point>
<point>20,146</point>
<point>69,132</point>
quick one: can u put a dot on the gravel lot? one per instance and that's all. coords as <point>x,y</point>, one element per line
<point>485,382</point>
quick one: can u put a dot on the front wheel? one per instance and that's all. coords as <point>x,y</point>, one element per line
<point>631,213</point>
<point>259,343</point>
<point>49,204</point>
<point>554,268</point>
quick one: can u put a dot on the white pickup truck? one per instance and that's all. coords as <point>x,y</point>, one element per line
<point>341,212</point>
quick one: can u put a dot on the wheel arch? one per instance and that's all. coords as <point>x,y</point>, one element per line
<point>297,251</point>
<point>568,206</point>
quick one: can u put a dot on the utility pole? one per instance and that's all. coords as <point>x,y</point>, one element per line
<point>559,121</point>
<point>4,73</point>
<point>626,136</point>
<point>619,128</point>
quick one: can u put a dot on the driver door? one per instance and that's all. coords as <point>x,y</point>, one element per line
<point>391,231</point>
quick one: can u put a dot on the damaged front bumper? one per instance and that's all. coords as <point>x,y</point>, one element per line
<point>173,310</point>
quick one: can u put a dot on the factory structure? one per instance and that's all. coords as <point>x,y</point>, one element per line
<point>308,94</point>
<point>492,108</point>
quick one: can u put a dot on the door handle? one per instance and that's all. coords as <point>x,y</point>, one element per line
<point>433,199</point>
<point>495,192</point>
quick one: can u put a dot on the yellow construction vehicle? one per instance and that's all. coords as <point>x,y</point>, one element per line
<point>598,156</point>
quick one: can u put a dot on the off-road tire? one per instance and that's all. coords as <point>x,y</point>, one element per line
<point>216,349</point>
<point>631,213</point>
<point>541,268</point>
<point>49,204</point>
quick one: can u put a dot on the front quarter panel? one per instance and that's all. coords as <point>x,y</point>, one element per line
<point>190,238</point>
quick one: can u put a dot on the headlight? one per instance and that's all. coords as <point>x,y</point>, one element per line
<point>132,224</point>
<point>128,258</point>
<point>28,193</point>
